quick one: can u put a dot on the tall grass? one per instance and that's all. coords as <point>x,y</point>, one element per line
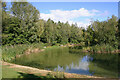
<point>10,52</point>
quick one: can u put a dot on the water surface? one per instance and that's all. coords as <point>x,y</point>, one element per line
<point>72,61</point>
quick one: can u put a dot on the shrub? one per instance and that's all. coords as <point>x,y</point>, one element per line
<point>102,48</point>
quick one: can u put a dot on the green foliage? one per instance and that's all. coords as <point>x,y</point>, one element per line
<point>61,33</point>
<point>105,31</point>
<point>57,74</point>
<point>23,26</point>
<point>102,48</point>
<point>118,33</point>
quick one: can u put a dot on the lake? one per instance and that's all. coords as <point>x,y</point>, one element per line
<point>72,61</point>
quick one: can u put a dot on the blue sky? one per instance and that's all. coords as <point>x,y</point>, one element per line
<point>76,12</point>
<point>81,13</point>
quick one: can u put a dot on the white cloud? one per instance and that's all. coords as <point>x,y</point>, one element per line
<point>95,10</point>
<point>105,13</point>
<point>66,15</point>
<point>80,23</point>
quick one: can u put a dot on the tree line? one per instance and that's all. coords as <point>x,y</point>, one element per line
<point>21,25</point>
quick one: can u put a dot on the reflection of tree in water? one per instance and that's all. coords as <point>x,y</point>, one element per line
<point>106,62</point>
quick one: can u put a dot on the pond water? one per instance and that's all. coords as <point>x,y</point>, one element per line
<point>72,61</point>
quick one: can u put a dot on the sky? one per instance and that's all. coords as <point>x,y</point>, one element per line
<point>81,13</point>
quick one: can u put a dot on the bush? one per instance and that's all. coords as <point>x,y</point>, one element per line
<point>102,48</point>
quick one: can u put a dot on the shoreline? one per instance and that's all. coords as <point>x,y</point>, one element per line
<point>37,50</point>
<point>99,52</point>
<point>32,70</point>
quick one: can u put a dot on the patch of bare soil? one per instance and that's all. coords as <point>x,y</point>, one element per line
<point>36,50</point>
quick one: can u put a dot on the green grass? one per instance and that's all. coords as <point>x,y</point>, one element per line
<point>9,72</point>
<point>15,73</point>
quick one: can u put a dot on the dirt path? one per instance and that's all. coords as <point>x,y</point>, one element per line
<point>32,70</point>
